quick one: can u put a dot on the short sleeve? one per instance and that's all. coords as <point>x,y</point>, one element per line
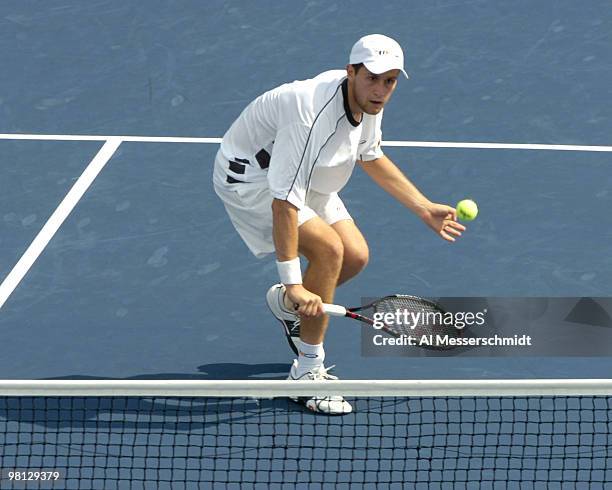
<point>371,138</point>
<point>290,164</point>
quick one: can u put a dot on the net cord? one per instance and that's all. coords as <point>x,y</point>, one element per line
<point>281,388</point>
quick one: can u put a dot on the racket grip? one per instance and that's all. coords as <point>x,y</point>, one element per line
<point>334,310</point>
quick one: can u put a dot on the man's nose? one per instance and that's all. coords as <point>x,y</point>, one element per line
<point>380,90</point>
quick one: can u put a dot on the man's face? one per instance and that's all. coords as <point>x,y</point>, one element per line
<point>370,91</point>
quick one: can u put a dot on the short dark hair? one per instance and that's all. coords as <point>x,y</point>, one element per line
<point>357,67</point>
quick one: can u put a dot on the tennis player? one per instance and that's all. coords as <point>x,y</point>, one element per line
<point>278,172</point>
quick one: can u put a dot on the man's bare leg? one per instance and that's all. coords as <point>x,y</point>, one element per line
<point>356,252</point>
<point>323,248</point>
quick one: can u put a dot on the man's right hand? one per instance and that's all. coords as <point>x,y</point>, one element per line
<point>310,305</point>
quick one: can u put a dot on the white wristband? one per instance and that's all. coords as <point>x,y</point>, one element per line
<point>290,271</point>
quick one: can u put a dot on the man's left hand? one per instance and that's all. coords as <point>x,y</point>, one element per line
<point>443,220</point>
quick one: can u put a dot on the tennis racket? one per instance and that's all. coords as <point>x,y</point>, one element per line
<point>424,317</point>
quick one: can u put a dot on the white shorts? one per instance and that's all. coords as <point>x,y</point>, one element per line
<point>249,206</point>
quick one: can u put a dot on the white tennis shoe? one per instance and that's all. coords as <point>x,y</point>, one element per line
<point>275,297</point>
<point>330,405</point>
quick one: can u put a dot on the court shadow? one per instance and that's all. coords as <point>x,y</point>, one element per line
<point>221,371</point>
<point>245,371</point>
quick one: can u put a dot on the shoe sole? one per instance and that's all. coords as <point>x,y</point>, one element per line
<point>303,402</point>
<point>286,332</point>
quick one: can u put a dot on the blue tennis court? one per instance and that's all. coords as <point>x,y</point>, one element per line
<point>146,278</point>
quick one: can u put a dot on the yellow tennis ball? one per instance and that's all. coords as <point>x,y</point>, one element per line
<point>467,210</point>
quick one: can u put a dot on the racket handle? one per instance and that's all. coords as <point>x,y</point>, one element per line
<point>334,310</point>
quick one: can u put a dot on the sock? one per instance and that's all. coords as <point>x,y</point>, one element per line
<point>311,357</point>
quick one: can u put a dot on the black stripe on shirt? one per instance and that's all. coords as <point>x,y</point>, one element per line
<point>232,180</point>
<point>321,149</point>
<point>237,168</point>
<point>263,158</point>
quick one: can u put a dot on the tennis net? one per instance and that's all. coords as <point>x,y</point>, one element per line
<point>247,434</point>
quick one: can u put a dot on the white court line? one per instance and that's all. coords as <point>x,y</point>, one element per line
<point>496,146</point>
<point>85,137</point>
<point>47,232</point>
<point>412,144</point>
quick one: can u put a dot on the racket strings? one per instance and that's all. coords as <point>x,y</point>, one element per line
<point>416,317</point>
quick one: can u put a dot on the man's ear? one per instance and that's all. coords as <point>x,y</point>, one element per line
<point>350,71</point>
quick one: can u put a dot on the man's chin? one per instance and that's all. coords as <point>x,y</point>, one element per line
<point>373,110</point>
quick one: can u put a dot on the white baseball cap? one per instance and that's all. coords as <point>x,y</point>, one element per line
<point>378,53</point>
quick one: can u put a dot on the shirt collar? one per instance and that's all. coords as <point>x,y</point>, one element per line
<point>347,109</point>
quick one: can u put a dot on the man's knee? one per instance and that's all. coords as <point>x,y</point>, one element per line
<point>326,249</point>
<point>357,259</point>
<point>329,251</point>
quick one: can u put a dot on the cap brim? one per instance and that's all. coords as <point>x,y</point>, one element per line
<point>378,68</point>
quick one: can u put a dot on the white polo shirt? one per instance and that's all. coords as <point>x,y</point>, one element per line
<point>299,136</point>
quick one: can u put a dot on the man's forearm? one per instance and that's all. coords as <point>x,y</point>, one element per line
<point>285,229</point>
<point>390,178</point>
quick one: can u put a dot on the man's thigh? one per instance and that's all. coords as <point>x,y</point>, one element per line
<point>355,245</point>
<point>315,234</point>
<point>316,237</point>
